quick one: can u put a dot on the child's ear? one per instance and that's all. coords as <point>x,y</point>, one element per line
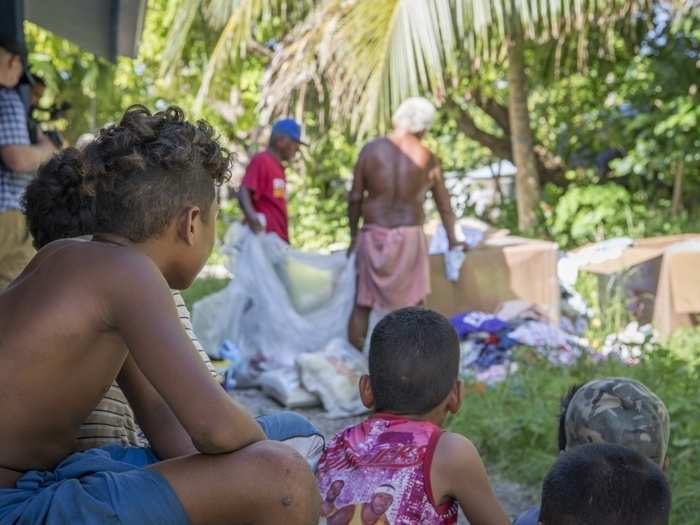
<point>366,394</point>
<point>188,223</point>
<point>456,397</point>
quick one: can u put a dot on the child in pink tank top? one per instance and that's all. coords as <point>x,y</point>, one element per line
<point>399,467</point>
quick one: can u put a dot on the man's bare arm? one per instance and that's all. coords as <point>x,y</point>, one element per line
<point>458,472</point>
<point>166,435</point>
<point>167,358</point>
<point>355,198</point>
<point>442,201</point>
<point>251,215</point>
<point>21,158</point>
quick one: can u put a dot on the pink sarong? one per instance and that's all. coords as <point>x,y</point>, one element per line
<point>392,267</point>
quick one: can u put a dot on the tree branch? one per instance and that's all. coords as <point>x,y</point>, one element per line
<point>500,146</point>
<point>498,112</point>
<point>550,167</point>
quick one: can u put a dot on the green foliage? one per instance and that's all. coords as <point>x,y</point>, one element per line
<point>201,288</point>
<point>592,213</point>
<point>318,192</point>
<point>515,424</point>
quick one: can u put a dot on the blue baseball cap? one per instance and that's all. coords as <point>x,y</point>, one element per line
<point>290,128</point>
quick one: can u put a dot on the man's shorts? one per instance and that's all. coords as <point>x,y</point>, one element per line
<point>16,249</point>
<point>108,485</point>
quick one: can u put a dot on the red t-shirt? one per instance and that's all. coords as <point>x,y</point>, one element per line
<point>265,179</point>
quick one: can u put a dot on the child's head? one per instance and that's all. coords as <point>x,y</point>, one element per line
<point>413,364</point>
<point>605,484</point>
<point>149,177</point>
<point>615,410</point>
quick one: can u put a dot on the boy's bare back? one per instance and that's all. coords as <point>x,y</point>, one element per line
<point>58,353</point>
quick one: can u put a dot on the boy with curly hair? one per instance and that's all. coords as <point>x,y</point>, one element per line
<point>101,310</point>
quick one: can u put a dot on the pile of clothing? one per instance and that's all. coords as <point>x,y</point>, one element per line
<point>488,341</point>
<point>628,345</point>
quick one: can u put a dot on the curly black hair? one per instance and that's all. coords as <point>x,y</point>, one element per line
<point>132,180</point>
<point>60,202</point>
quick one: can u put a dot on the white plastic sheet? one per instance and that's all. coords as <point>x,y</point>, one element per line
<point>334,375</point>
<point>281,302</point>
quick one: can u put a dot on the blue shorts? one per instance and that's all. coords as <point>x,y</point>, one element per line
<point>107,485</point>
<point>110,485</point>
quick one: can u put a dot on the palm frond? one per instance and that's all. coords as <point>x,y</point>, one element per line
<point>372,54</point>
<point>304,54</point>
<point>183,14</point>
<point>238,18</point>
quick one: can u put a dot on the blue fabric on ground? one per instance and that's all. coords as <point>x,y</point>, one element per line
<point>102,486</point>
<point>470,322</point>
<point>531,517</point>
<point>287,425</point>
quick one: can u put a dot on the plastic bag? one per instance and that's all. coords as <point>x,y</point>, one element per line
<point>284,387</point>
<point>334,375</point>
<point>281,302</point>
<point>309,287</point>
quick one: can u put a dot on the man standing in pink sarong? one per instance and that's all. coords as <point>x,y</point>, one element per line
<point>391,180</point>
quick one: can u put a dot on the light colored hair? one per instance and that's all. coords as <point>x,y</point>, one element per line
<point>415,115</point>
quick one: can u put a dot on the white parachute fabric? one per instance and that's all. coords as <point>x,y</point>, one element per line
<point>281,302</point>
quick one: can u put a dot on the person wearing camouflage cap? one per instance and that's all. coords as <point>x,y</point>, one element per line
<point>618,410</point>
<point>613,410</point>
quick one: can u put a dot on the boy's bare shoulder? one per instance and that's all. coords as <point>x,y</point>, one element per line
<point>102,262</point>
<point>452,445</point>
<point>455,455</point>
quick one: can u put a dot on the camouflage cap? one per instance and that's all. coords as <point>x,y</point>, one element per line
<point>620,411</point>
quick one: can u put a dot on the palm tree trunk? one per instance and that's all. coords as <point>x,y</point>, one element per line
<point>677,201</point>
<point>527,187</point>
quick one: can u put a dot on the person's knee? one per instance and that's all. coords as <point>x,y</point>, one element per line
<point>292,490</point>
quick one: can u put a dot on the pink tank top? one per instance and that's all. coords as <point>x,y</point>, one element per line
<point>378,472</point>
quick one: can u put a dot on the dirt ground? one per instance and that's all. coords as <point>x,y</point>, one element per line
<point>514,498</point>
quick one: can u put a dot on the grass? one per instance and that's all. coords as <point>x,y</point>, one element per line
<point>201,288</point>
<point>514,424</point>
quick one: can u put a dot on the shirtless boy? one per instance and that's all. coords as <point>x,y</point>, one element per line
<point>71,315</point>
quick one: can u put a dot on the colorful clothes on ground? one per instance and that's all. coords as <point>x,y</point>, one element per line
<point>392,267</point>
<point>97,487</point>
<point>266,180</point>
<point>380,470</point>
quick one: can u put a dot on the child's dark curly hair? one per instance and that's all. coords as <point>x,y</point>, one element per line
<point>132,180</point>
<point>60,202</point>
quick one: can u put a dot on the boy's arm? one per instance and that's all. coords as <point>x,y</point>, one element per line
<point>458,472</point>
<point>144,315</point>
<point>166,435</point>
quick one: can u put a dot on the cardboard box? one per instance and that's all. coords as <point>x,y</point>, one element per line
<point>502,269</point>
<point>658,275</point>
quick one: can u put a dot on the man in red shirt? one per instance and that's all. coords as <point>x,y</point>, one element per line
<point>264,187</point>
